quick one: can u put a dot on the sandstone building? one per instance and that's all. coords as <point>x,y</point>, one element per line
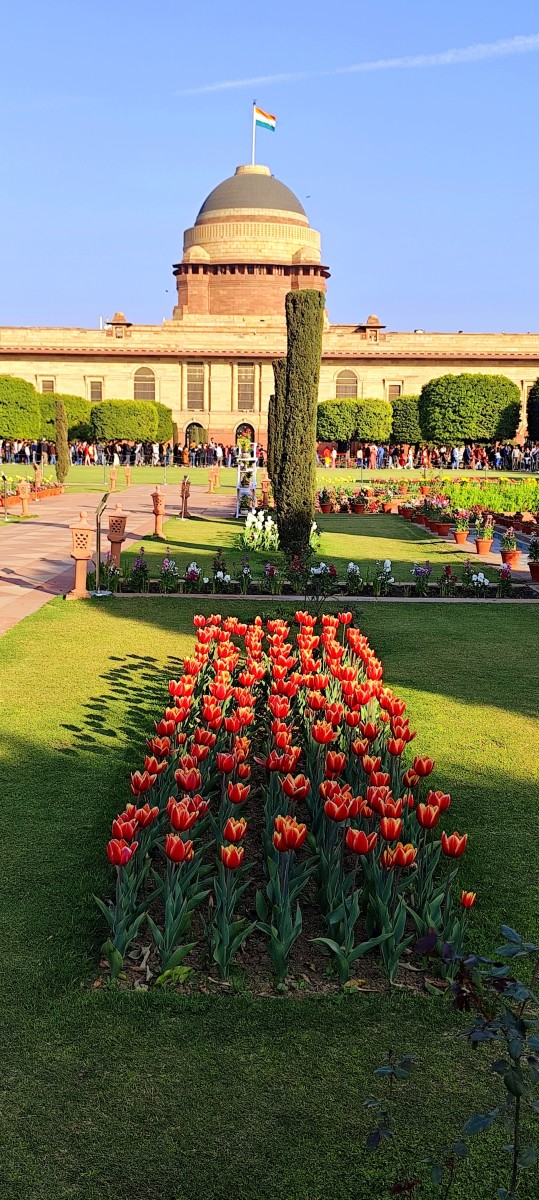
<point>210,363</point>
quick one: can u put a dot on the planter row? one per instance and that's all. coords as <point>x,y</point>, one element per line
<point>402,590</point>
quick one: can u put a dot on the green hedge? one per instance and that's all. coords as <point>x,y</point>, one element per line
<point>353,420</point>
<point>132,420</point>
<point>476,407</point>
<point>164,431</point>
<point>405,423</point>
<point>533,412</point>
<point>20,415</point>
<point>77,411</point>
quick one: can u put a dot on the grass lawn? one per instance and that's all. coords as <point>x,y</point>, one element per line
<point>345,538</point>
<point>158,1097</point>
<point>92,479</point>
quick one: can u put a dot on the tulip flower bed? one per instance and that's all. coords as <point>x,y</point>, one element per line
<point>279,779</point>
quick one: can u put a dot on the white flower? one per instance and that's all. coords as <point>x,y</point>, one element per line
<point>246,571</point>
<point>475,578</point>
<point>226,578</point>
<point>391,580</point>
<point>219,575</point>
<point>387,564</point>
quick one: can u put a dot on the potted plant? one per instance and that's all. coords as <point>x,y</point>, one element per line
<point>359,502</point>
<point>325,500</point>
<point>461,518</point>
<point>484,534</point>
<point>533,557</point>
<point>509,551</point>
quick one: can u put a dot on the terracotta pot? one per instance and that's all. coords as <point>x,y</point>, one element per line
<point>359,508</point>
<point>325,508</point>
<point>511,557</point>
<point>419,519</point>
<point>482,545</point>
<point>443,528</point>
<point>386,506</point>
<point>460,536</point>
<point>424,489</point>
<point>407,513</point>
<point>533,568</point>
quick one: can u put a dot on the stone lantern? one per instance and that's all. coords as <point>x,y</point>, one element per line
<point>116,533</point>
<point>23,492</point>
<point>81,551</point>
<point>113,475</point>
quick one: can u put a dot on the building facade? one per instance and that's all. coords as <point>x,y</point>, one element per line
<point>210,363</point>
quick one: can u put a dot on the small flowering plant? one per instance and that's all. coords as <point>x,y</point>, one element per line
<point>383,578</point>
<point>476,583</point>
<point>448,582</point>
<point>245,576</point>
<point>270,581</point>
<point>138,578</point>
<point>354,579</point>
<point>509,540</point>
<point>192,578</point>
<point>461,517</point>
<point>326,496</point>
<point>169,576</point>
<point>421,574</point>
<point>505,582</point>
<point>533,548</point>
<point>484,527</point>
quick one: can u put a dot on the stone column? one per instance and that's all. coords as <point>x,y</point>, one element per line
<point>158,511</point>
<point>23,491</point>
<point>206,387</point>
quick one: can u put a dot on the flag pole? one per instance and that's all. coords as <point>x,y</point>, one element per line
<point>253,135</point>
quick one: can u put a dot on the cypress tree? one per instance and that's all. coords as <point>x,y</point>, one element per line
<point>297,474</point>
<point>275,438</point>
<point>62,448</point>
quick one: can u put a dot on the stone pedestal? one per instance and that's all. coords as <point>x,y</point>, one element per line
<point>158,511</point>
<point>81,551</point>
<point>23,492</point>
<point>127,472</point>
<point>113,475</point>
<point>185,492</point>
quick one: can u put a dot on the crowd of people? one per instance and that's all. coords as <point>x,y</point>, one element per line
<point>137,454</point>
<point>498,457</point>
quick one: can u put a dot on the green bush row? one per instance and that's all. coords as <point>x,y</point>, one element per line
<point>27,414</point>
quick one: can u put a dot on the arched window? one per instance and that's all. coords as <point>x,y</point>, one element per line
<point>346,385</point>
<point>144,384</point>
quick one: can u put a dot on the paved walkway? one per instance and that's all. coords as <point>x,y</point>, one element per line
<point>35,555</point>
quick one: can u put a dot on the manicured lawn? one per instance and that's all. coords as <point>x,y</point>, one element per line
<point>345,538</point>
<point>157,1097</point>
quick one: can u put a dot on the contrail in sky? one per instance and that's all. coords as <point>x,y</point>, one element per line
<point>523,44</point>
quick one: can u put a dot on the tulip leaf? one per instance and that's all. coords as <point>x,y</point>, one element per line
<point>511,934</point>
<point>437,1174</point>
<point>528,1157</point>
<point>178,955</point>
<point>481,1121</point>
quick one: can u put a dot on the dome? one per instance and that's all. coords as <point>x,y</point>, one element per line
<point>252,187</point>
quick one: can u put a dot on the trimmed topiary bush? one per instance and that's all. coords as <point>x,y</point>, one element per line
<point>533,412</point>
<point>164,431</point>
<point>129,420</point>
<point>20,415</point>
<point>61,438</point>
<point>77,411</point>
<point>353,420</point>
<point>405,421</point>
<point>297,475</point>
<point>480,408</point>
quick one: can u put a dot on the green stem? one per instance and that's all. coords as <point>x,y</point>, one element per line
<point>516,1145</point>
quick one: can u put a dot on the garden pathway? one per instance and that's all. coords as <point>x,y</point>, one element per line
<point>35,555</point>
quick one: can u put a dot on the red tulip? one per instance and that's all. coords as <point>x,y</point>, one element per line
<point>454,844</point>
<point>243,771</point>
<point>396,746</point>
<point>232,856</point>
<point>237,792</point>
<point>187,762</point>
<point>233,723</point>
<point>390,828</point>
<point>235,830</point>
<point>370,764</point>
<point>199,621</point>
<point>289,834</point>
<point>353,719</point>
<point>119,852</point>
<point>467,899</point>
<point>316,701</point>
<point>360,842</point>
<point>159,746</point>
<point>124,829</point>
<point>199,753</point>
<point>390,808</point>
<point>165,728</point>
<point>359,747</point>
<point>379,779</point>
<point>440,800</point>
<point>141,782</point>
<point>146,816</point>
<point>342,807</point>
<point>203,737</point>
<point>335,764</point>
<point>334,714</point>
<point>410,778</point>
<point>177,850</point>
<point>180,815</point>
<point>188,781</point>
<point>246,716</point>
<point>399,856</point>
<point>427,815</point>
<point>279,706</point>
<point>296,787</point>
<point>305,619</point>
<point>345,618</point>
<point>422,766</point>
<point>283,738</point>
<point>225,763</point>
<point>370,730</point>
<point>323,733</point>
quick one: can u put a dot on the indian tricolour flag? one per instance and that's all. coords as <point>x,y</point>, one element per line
<point>264,119</point>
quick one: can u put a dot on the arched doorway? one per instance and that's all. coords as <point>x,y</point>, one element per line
<point>245,435</point>
<point>195,434</point>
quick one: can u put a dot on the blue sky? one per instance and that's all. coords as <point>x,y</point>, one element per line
<point>423,180</point>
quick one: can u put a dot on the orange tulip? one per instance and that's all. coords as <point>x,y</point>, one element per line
<point>360,747</point>
<point>141,782</point>
<point>204,737</point>
<point>124,829</point>
<point>159,746</point>
<point>289,834</point>
<point>467,899</point>
<point>177,850</point>
<point>335,764</point>
<point>225,763</point>
<point>323,733</point>
<point>370,764</point>
<point>370,730</point>
<point>454,844</point>
<point>427,815</point>
<point>379,779</point>
<point>237,792</point>
<point>400,856</point>
<point>334,714</point>
<point>233,723</point>
<point>391,828</point>
<point>410,778</point>
<point>188,781</point>
<point>345,618</point>
<point>343,806</point>
<point>279,706</point>
<point>231,856</point>
<point>180,815</point>
<point>360,842</point>
<point>396,746</point>
<point>296,787</point>
<point>422,766</point>
<point>146,816</point>
<point>165,728</point>
<point>390,808</point>
<point>234,830</point>
<point>199,753</point>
